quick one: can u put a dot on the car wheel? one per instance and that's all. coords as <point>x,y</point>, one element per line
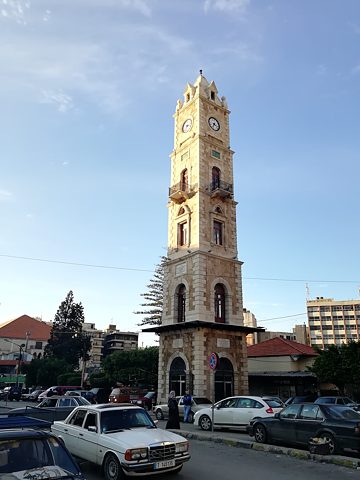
<point>112,468</point>
<point>332,443</point>
<point>190,417</point>
<point>159,414</point>
<point>260,433</point>
<point>205,422</point>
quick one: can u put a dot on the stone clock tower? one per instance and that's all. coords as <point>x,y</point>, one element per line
<point>203,307</point>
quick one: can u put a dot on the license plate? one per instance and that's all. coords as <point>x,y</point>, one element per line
<point>164,464</point>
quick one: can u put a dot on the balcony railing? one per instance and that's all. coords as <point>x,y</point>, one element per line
<point>181,192</point>
<point>221,189</point>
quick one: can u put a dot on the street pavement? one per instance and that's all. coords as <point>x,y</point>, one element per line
<point>240,440</point>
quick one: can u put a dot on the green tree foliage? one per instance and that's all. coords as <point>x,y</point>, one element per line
<point>134,367</point>
<point>154,297</point>
<point>45,371</point>
<point>339,365</point>
<point>66,338</point>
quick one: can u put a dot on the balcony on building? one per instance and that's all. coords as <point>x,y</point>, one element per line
<point>181,192</point>
<point>221,189</point>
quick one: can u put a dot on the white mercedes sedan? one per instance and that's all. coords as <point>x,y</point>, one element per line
<point>122,439</point>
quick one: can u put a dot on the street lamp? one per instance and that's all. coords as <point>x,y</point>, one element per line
<point>18,371</point>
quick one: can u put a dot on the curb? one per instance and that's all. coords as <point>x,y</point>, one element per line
<point>340,460</point>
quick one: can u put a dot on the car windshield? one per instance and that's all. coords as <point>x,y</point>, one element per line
<point>21,454</point>
<point>149,395</point>
<point>273,403</point>
<point>123,419</point>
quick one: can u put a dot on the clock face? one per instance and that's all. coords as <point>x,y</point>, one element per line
<point>214,124</point>
<point>187,125</point>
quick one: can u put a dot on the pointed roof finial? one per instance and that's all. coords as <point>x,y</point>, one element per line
<point>200,72</point>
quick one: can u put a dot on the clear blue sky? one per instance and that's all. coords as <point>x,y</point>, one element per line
<point>87,93</point>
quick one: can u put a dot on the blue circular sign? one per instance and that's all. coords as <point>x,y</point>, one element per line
<point>213,360</point>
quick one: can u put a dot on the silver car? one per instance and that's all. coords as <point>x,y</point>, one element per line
<point>162,411</point>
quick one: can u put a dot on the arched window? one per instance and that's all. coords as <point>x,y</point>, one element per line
<point>181,299</point>
<point>215,178</point>
<point>184,180</point>
<point>224,379</point>
<point>219,303</point>
<point>181,211</point>
<point>177,376</point>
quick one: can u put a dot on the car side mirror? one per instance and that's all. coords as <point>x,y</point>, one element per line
<point>277,415</point>
<point>92,428</point>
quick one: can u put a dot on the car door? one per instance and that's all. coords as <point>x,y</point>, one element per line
<point>71,432</point>
<point>88,433</point>
<point>283,427</point>
<point>224,412</point>
<point>181,406</point>
<point>245,410</point>
<point>308,422</point>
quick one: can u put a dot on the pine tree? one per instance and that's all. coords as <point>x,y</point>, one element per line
<point>154,297</point>
<point>66,340</point>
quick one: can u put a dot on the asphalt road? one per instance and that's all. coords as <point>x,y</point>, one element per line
<point>210,461</point>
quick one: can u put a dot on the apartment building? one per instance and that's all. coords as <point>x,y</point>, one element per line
<point>333,322</point>
<point>115,340</point>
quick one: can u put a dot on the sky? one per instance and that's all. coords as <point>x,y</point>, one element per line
<point>87,93</point>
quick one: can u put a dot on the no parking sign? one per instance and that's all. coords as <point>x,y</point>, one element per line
<point>213,360</point>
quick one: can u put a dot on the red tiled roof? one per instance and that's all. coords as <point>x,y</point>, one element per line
<point>17,328</point>
<point>278,347</point>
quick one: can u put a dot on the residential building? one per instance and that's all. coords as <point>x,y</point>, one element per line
<point>333,322</point>
<point>115,340</point>
<point>280,367</point>
<point>97,339</point>
<point>202,323</point>
<point>21,340</point>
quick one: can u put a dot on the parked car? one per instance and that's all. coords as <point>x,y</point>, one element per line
<point>27,453</point>
<point>162,411</point>
<point>337,401</point>
<point>123,440</point>
<point>234,412</point>
<point>58,390</point>
<point>101,394</point>
<point>33,397</point>
<point>298,423</point>
<point>81,393</point>
<point>309,398</point>
<point>147,401</point>
<point>13,393</point>
<point>52,408</point>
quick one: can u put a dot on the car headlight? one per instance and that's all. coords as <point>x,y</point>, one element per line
<point>182,447</point>
<point>136,454</point>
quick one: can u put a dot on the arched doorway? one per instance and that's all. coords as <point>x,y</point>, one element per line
<point>177,377</point>
<point>224,379</point>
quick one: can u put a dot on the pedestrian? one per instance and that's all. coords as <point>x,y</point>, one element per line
<point>174,419</point>
<point>187,400</point>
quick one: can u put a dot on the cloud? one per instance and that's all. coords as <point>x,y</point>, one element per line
<point>228,6</point>
<point>62,101</point>
<point>5,195</point>
<point>14,10</point>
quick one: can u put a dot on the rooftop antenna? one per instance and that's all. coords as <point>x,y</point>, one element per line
<point>308,292</point>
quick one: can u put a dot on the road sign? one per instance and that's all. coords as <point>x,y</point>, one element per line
<point>213,360</point>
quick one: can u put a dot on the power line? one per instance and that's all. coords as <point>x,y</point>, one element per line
<point>279,318</point>
<point>113,267</point>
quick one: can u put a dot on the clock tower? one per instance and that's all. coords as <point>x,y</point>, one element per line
<point>202,347</point>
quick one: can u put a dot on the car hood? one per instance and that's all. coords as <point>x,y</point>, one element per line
<point>140,437</point>
<point>50,472</point>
